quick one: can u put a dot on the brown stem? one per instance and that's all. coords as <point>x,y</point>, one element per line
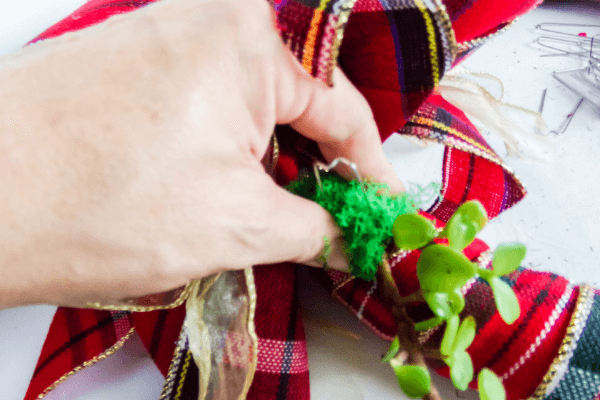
<point>390,290</point>
<point>432,353</point>
<point>407,331</point>
<point>400,358</point>
<point>433,394</point>
<point>408,337</point>
<point>416,358</point>
<point>411,298</point>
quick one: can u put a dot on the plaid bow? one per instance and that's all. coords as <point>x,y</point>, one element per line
<point>395,52</point>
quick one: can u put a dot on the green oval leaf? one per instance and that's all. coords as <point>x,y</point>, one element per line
<point>464,224</point>
<point>414,380</point>
<point>490,386</point>
<point>506,300</point>
<point>428,323</point>
<point>484,273</point>
<point>442,269</point>
<point>449,335</point>
<point>443,304</point>
<point>461,233</point>
<point>439,304</point>
<point>507,258</point>
<point>474,212</point>
<point>461,369</point>
<point>412,231</point>
<point>465,334</point>
<point>392,350</point>
<point>457,301</point>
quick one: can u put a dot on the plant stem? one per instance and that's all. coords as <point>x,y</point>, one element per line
<point>433,394</point>
<point>390,290</point>
<point>411,298</point>
<point>400,358</point>
<point>416,358</point>
<point>432,353</point>
<point>413,351</point>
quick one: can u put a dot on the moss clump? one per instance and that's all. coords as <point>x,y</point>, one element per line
<point>365,214</point>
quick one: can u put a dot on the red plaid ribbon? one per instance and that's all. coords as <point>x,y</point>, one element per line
<point>394,52</point>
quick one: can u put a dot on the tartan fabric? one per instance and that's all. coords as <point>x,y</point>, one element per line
<point>503,348</point>
<point>520,353</point>
<point>155,330</point>
<point>473,19</point>
<point>395,52</point>
<point>441,121</point>
<point>282,362</point>
<point>91,13</point>
<point>467,48</point>
<point>282,369</point>
<point>403,68</point>
<point>471,169</point>
<point>76,336</point>
<point>182,382</point>
<point>582,378</point>
<point>475,174</point>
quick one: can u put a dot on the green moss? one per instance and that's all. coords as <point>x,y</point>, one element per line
<point>365,215</point>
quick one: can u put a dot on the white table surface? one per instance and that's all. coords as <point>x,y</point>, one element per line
<point>558,221</point>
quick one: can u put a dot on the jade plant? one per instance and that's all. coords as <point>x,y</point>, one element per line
<point>442,272</point>
<point>371,220</point>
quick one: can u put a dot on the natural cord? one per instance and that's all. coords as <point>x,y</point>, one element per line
<point>325,253</point>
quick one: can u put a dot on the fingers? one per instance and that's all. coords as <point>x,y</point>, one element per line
<point>339,119</point>
<point>295,229</point>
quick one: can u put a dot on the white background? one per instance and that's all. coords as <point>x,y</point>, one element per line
<point>559,221</point>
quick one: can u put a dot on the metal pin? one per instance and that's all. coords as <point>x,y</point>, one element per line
<point>565,38</point>
<point>541,107</point>
<point>562,52</point>
<point>566,123</point>
<point>540,110</point>
<point>319,166</point>
<point>594,68</point>
<point>570,116</point>
<point>542,27</point>
<point>568,42</point>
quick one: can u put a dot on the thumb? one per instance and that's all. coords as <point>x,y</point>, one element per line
<point>298,229</point>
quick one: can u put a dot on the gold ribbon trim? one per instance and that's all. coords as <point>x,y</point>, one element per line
<point>88,363</point>
<point>560,364</point>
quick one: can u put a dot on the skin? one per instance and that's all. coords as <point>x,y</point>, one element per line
<point>130,153</point>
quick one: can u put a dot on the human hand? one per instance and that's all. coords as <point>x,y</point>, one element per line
<point>131,154</point>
